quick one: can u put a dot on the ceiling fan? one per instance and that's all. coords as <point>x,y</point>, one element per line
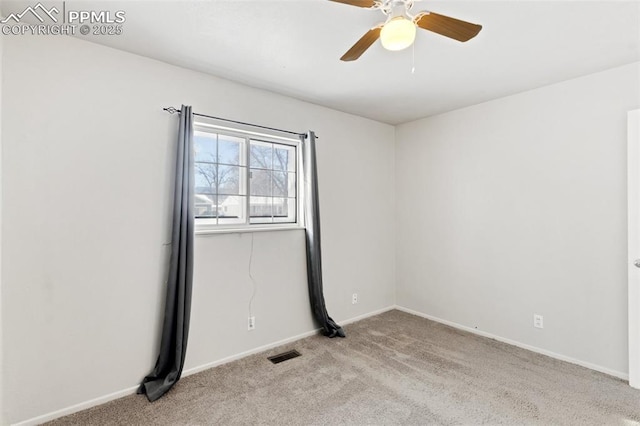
<point>399,30</point>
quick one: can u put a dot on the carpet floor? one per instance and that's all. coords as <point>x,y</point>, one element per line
<point>393,368</point>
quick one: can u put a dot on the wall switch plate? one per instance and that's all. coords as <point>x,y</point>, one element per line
<point>537,321</point>
<point>354,298</point>
<point>252,323</point>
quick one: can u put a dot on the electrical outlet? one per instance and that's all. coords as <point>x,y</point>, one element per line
<point>354,298</point>
<point>537,321</point>
<point>251,323</point>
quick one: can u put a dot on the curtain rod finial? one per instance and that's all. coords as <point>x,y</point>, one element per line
<point>171,110</point>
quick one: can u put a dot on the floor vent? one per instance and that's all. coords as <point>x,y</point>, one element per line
<point>284,356</point>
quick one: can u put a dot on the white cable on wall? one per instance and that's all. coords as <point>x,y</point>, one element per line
<point>253,282</point>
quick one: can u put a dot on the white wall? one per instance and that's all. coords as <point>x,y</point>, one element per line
<point>518,206</point>
<point>86,188</point>
<point>2,416</point>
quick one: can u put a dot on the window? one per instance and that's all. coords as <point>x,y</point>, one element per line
<point>243,180</point>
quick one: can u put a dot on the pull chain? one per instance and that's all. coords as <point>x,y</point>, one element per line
<point>413,58</point>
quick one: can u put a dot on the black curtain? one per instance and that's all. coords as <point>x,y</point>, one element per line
<point>175,329</point>
<point>312,225</point>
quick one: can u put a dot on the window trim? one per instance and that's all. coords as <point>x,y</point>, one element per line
<point>247,226</point>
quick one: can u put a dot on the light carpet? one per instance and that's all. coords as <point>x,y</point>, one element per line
<point>394,368</point>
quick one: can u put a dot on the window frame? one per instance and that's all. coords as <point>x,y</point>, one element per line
<point>204,225</point>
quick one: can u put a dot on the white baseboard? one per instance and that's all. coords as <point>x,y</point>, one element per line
<point>367,315</point>
<point>194,370</point>
<point>132,390</point>
<point>78,407</point>
<point>614,373</point>
<point>288,340</point>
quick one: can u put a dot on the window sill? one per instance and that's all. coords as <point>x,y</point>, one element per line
<point>254,228</point>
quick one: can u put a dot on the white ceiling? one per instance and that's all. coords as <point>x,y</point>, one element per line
<point>293,47</point>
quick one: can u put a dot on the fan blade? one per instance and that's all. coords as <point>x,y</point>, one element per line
<point>363,44</point>
<point>358,3</point>
<point>448,27</point>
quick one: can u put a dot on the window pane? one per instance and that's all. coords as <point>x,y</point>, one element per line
<point>280,184</point>
<point>284,158</point>
<point>205,205</point>
<point>281,207</point>
<point>205,147</point>
<point>206,178</point>
<point>229,149</point>
<point>231,207</point>
<point>284,184</point>
<point>261,155</point>
<point>229,180</point>
<point>284,210</point>
<point>260,209</point>
<point>291,180</point>
<point>261,182</point>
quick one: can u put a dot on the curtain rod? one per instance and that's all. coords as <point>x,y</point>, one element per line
<point>172,110</point>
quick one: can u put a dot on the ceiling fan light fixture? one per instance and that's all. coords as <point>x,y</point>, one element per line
<point>398,33</point>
